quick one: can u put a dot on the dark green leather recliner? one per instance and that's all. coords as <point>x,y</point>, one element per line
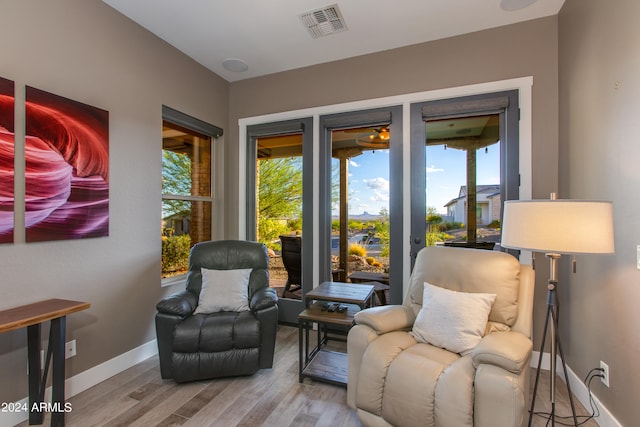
<point>201,346</point>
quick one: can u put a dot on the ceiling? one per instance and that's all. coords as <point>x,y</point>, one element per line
<point>270,37</point>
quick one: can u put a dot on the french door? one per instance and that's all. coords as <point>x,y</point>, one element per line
<point>464,165</point>
<point>280,204</point>
<point>360,197</point>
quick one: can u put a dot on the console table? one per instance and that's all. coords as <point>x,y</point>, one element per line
<point>31,316</point>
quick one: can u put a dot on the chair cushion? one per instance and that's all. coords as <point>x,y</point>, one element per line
<point>224,290</point>
<point>217,332</point>
<point>198,366</point>
<point>452,320</point>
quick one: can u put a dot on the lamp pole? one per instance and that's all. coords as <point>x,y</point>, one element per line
<point>552,314</point>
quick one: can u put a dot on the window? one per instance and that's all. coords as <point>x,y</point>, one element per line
<point>187,199</point>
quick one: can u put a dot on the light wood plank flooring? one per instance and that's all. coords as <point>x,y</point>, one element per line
<point>272,397</point>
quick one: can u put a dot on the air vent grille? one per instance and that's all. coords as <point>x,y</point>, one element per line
<point>323,22</point>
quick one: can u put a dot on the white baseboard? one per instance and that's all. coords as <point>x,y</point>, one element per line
<point>86,379</point>
<point>579,389</point>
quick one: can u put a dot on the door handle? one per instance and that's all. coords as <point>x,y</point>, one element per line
<point>417,240</point>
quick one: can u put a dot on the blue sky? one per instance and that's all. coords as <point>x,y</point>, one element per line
<point>445,169</point>
<point>446,172</point>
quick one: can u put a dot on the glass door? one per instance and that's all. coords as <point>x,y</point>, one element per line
<point>464,165</point>
<point>279,205</point>
<point>361,198</point>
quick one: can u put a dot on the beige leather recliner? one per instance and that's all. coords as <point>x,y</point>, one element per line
<point>396,381</point>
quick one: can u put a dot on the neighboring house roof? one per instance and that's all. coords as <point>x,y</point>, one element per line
<point>479,189</point>
<point>492,189</point>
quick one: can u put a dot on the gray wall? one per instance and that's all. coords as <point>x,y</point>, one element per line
<point>86,51</point>
<point>599,151</point>
<point>527,49</point>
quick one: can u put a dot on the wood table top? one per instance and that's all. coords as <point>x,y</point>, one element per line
<point>38,312</point>
<point>341,292</point>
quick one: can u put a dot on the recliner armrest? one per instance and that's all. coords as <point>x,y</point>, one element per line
<point>180,304</point>
<point>386,318</point>
<point>507,350</point>
<point>263,298</point>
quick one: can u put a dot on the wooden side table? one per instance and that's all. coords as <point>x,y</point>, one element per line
<point>319,363</point>
<point>31,316</point>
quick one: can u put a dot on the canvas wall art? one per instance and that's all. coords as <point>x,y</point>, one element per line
<point>7,150</point>
<point>66,168</point>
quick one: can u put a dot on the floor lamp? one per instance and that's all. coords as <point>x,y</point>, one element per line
<point>557,227</point>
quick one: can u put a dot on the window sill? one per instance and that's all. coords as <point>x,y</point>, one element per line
<point>176,280</point>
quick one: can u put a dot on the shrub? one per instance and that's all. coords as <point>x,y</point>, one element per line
<point>432,238</point>
<point>271,229</point>
<point>295,225</point>
<point>356,249</point>
<point>453,225</point>
<point>494,224</point>
<point>370,260</point>
<point>383,235</point>
<point>384,251</point>
<point>355,225</point>
<point>175,254</point>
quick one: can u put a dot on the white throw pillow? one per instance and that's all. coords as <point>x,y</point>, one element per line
<point>452,320</point>
<point>224,290</point>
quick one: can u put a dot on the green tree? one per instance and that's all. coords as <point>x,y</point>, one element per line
<point>279,194</point>
<point>176,179</point>
<point>280,188</point>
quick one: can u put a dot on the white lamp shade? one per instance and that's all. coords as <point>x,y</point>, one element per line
<point>558,226</point>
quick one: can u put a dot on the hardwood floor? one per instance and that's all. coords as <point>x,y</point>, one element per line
<point>563,406</point>
<point>139,397</point>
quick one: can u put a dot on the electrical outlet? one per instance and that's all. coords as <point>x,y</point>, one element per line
<point>605,373</point>
<point>69,351</point>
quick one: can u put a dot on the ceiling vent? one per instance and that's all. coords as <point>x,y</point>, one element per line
<point>323,22</point>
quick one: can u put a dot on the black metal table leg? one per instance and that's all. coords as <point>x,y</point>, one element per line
<point>36,416</point>
<point>58,328</point>
<point>300,346</point>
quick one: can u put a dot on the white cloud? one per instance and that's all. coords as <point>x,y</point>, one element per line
<point>380,187</point>
<point>380,196</point>
<point>377,183</point>
<point>353,163</point>
<point>432,169</point>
